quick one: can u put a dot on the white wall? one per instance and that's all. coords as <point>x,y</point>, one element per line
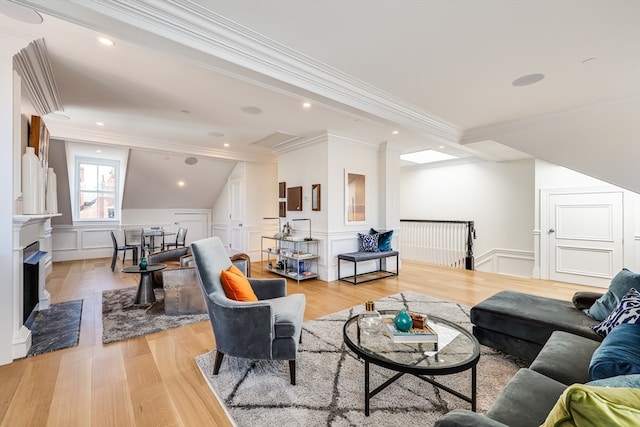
<point>497,196</point>
<point>260,199</point>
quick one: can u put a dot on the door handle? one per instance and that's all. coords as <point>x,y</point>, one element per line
<point>552,230</point>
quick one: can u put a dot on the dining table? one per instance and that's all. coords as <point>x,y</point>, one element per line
<point>153,233</point>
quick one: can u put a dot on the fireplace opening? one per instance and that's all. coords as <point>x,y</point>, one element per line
<point>31,256</point>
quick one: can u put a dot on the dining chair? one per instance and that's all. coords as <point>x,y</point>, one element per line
<point>124,248</point>
<point>180,239</point>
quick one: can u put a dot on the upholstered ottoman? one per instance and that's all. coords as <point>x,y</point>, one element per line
<point>182,294</point>
<point>520,324</point>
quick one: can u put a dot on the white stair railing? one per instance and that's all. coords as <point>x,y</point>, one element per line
<point>447,243</point>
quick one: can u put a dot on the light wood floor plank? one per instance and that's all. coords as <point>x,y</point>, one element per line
<point>154,380</point>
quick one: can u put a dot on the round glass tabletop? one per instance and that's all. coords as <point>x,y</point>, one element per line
<point>457,349</point>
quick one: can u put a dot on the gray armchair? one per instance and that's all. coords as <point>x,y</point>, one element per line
<point>267,329</point>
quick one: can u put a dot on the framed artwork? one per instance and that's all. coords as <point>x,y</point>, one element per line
<point>282,209</point>
<point>282,190</point>
<point>294,199</point>
<point>39,140</point>
<point>315,197</point>
<point>354,192</point>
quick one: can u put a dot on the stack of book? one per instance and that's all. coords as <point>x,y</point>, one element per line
<point>413,335</point>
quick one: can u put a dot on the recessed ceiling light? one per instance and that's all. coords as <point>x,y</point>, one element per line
<point>426,156</point>
<point>181,183</point>
<point>191,160</point>
<point>251,110</point>
<point>306,105</point>
<point>226,144</point>
<point>106,41</point>
<point>98,151</point>
<point>216,134</point>
<point>527,80</point>
<point>395,132</point>
<point>100,123</point>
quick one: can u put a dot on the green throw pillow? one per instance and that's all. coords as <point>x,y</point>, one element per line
<point>587,406</point>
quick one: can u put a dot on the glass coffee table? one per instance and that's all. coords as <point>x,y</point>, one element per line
<point>457,351</point>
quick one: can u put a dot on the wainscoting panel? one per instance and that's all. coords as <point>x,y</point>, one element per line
<point>507,262</point>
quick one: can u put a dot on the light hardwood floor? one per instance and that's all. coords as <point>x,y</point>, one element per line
<point>154,380</point>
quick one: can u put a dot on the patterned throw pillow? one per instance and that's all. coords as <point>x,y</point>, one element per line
<point>628,311</point>
<point>368,243</point>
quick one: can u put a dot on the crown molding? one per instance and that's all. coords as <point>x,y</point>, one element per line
<point>494,131</point>
<point>33,65</point>
<point>195,27</point>
<point>73,134</point>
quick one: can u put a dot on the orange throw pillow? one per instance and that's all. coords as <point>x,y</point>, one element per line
<point>236,286</point>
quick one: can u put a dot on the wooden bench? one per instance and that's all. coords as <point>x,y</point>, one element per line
<point>380,273</point>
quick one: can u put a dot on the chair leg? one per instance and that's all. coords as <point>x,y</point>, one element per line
<point>113,260</point>
<point>218,362</point>
<point>124,256</point>
<point>292,371</point>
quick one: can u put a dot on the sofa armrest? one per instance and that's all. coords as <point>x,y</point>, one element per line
<point>243,262</point>
<point>168,255</point>
<point>465,418</point>
<point>582,300</point>
<point>269,288</point>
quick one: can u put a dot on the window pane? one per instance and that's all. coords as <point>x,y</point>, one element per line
<point>97,205</point>
<point>88,177</point>
<point>107,177</point>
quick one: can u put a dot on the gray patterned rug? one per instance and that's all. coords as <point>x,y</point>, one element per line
<point>121,320</point>
<point>56,328</point>
<point>329,384</point>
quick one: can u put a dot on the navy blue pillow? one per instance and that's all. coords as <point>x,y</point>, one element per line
<point>384,239</point>
<point>619,353</point>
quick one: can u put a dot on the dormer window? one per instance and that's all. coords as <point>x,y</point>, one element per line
<point>97,189</point>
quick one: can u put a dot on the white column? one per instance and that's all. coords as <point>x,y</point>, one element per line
<point>11,329</point>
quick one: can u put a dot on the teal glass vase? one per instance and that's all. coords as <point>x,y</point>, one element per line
<point>403,321</point>
<point>143,263</point>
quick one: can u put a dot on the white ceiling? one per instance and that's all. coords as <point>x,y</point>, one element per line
<point>438,72</point>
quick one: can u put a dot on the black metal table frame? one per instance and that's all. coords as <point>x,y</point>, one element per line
<point>417,372</point>
<point>380,257</point>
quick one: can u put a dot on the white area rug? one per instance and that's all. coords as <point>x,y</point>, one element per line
<point>330,379</point>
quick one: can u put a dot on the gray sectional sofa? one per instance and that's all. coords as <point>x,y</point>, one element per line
<point>565,351</point>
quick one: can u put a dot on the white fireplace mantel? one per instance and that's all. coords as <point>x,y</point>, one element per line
<point>26,230</point>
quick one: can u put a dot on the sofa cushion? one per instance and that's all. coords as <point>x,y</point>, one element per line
<point>566,358</point>
<point>619,286</point>
<point>619,353</point>
<point>627,311</point>
<point>526,400</point>
<point>627,381</point>
<point>530,318</point>
<point>586,406</point>
<point>368,242</point>
<point>236,286</point>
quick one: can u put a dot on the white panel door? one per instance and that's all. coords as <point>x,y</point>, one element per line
<point>236,214</point>
<point>585,237</point>
<point>196,223</point>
